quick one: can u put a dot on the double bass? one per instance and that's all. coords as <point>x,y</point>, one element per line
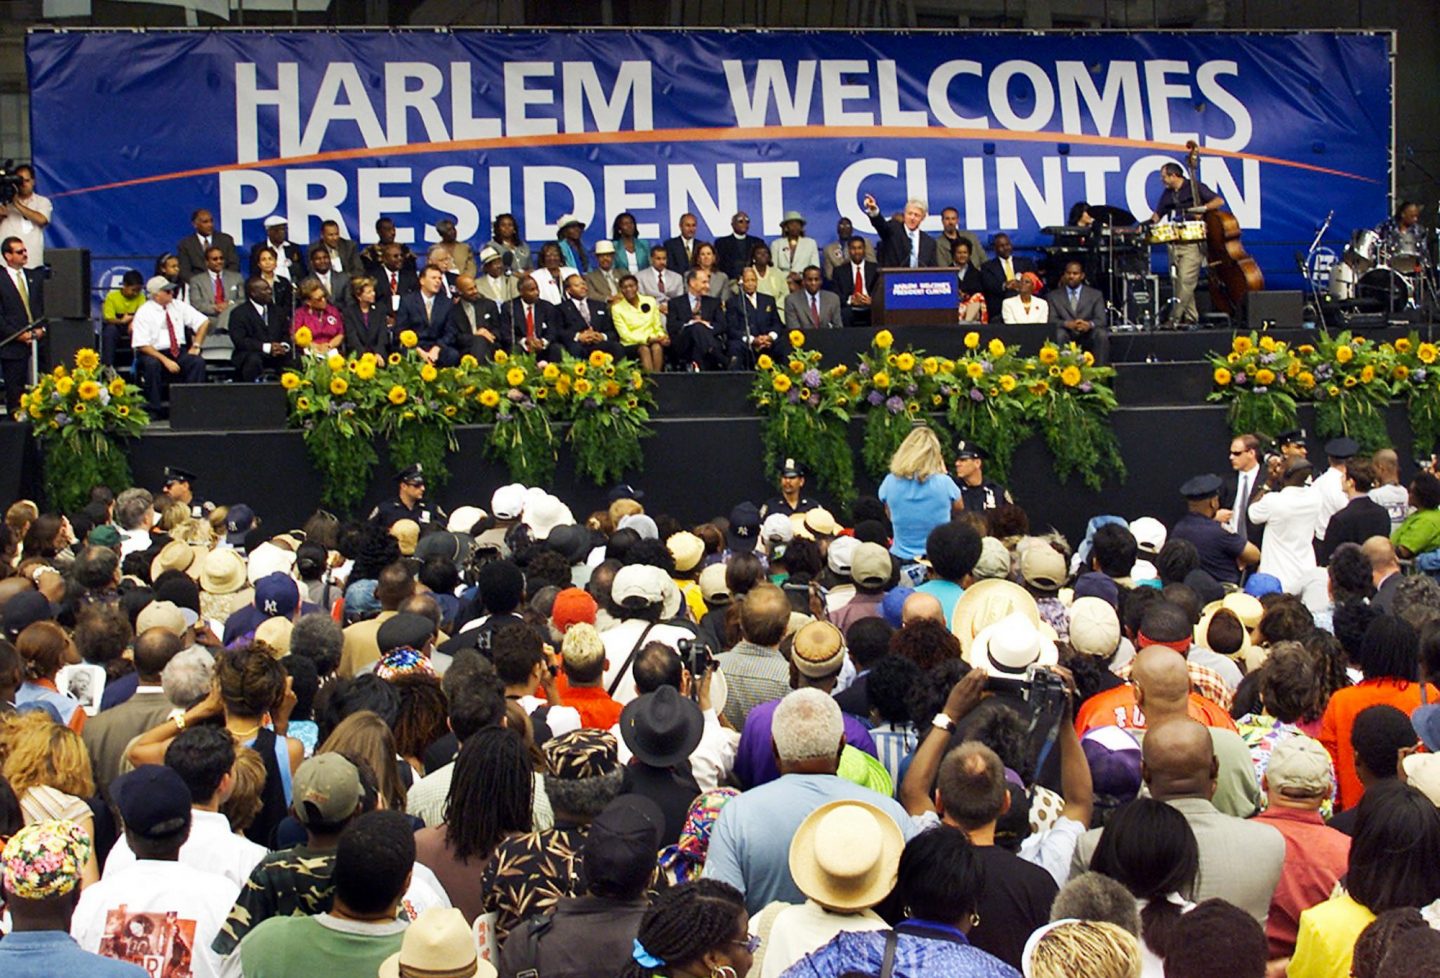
<point>1233,273</point>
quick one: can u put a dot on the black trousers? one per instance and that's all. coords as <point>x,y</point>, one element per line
<point>155,380</point>
<point>17,377</point>
<point>249,365</point>
<point>1096,342</point>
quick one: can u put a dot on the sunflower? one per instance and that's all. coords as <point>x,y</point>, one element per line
<point>1264,377</point>
<point>797,338</point>
<point>997,348</point>
<point>541,393</point>
<point>59,371</point>
<point>1350,381</point>
<point>1402,345</point>
<point>881,380</point>
<point>80,409</point>
<point>335,360</point>
<point>303,337</point>
<point>394,359</point>
<point>1427,353</point>
<point>1344,354</point>
<point>1367,374</point>
<point>839,370</point>
<point>408,339</point>
<point>89,390</point>
<point>912,408</point>
<point>1305,348</point>
<point>64,385</point>
<point>489,397</point>
<point>550,371</point>
<point>302,403</point>
<point>1007,383</point>
<point>365,370</point>
<point>1401,371</point>
<point>338,386</point>
<point>1039,388</point>
<point>583,387</point>
<point>428,373</point>
<point>1305,379</point>
<point>1333,391</point>
<point>1049,354</point>
<point>123,410</point>
<point>1232,358</point>
<point>638,381</point>
<point>597,358</point>
<point>905,362</point>
<point>781,383</point>
<point>1267,343</point>
<point>579,369</point>
<point>515,376</point>
<point>501,357</point>
<point>87,359</point>
<point>936,400</point>
<point>1070,376</point>
<point>884,339</point>
<point>562,385</point>
<point>930,365</point>
<point>610,389</point>
<point>468,362</point>
<point>974,371</point>
<point>1222,377</point>
<point>972,340</point>
<point>397,395</point>
<point>763,362</point>
<point>449,410</point>
<point>633,403</point>
<point>117,387</point>
<point>1054,370</point>
<point>1089,359</point>
<point>1242,345</point>
<point>796,366</point>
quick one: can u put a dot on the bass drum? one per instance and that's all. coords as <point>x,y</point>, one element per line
<point>1385,286</point>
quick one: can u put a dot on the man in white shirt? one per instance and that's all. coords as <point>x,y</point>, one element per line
<point>1288,548</point>
<point>1388,491</point>
<point>158,910</point>
<point>1331,486</point>
<point>713,759</point>
<point>26,217</point>
<point>167,334</point>
<point>637,601</point>
<point>204,757</point>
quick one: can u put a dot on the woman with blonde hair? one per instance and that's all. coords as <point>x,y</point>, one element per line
<point>919,494</point>
<point>1092,948</point>
<point>48,768</point>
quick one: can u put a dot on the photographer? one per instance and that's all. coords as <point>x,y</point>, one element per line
<point>26,215</point>
<point>713,759</point>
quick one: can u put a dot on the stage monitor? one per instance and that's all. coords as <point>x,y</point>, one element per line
<point>917,297</point>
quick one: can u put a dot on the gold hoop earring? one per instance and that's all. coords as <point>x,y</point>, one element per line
<point>723,971</point>
<point>975,920</point>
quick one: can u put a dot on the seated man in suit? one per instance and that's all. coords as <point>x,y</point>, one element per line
<point>531,322</point>
<point>394,281</point>
<point>812,306</point>
<point>603,280</point>
<point>427,312</point>
<point>696,330</point>
<point>259,333</point>
<point>493,281</point>
<point>1001,274</point>
<point>216,289</point>
<point>475,320</point>
<point>335,282</point>
<point>854,282</point>
<point>167,334</point>
<point>191,249</point>
<point>585,323</point>
<point>902,243</point>
<point>753,325</point>
<point>373,256</point>
<point>344,253</point>
<point>658,282</point>
<point>681,248</point>
<point>439,256</point>
<point>733,251</point>
<point>1077,312</point>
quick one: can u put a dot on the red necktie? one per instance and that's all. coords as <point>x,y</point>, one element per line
<point>530,323</point>
<point>859,279</point>
<point>660,277</point>
<point>815,309</point>
<point>174,340</point>
<point>394,284</point>
<point>219,290</point>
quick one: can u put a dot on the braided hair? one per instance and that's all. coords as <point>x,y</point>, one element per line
<point>252,682</point>
<point>490,794</point>
<point>683,923</point>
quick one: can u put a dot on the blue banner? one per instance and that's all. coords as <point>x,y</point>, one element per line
<point>133,131</point>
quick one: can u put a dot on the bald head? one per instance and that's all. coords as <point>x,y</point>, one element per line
<point>1387,466</point>
<point>764,614</point>
<point>1162,682</point>
<point>1381,554</point>
<point>1179,760</point>
<point>922,605</point>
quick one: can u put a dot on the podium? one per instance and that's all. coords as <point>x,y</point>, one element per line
<point>916,297</point>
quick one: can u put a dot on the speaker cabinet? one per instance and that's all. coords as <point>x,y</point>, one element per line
<point>65,336</point>
<point>67,293</point>
<point>1275,310</point>
<point>227,407</point>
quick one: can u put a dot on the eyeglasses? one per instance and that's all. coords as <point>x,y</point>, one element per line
<point>1241,452</point>
<point>751,944</point>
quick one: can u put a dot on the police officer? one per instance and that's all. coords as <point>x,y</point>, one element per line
<point>178,488</point>
<point>791,498</point>
<point>1289,444</point>
<point>1222,552</point>
<point>409,502</point>
<point>977,492</point>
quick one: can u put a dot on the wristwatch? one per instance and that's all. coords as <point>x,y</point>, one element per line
<point>943,722</point>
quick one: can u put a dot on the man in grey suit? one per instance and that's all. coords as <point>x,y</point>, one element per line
<point>215,289</point>
<point>813,307</point>
<point>603,280</point>
<point>335,282</point>
<point>109,732</point>
<point>191,249</point>
<point>1240,860</point>
<point>344,253</point>
<point>1077,312</point>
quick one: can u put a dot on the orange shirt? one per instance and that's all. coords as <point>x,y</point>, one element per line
<point>597,709</point>
<point>1116,708</point>
<point>1339,720</point>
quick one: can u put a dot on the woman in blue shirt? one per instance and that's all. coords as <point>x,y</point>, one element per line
<point>918,494</point>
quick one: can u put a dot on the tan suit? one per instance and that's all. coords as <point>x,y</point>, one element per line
<point>107,734</point>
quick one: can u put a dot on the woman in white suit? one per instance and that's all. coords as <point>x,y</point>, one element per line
<point>1027,307</point>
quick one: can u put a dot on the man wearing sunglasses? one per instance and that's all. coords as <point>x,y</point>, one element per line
<point>20,308</point>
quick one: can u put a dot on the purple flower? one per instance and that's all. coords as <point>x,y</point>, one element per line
<point>910,390</point>
<point>976,394</point>
<point>1086,387</point>
<point>864,370</point>
<point>987,366</point>
<point>814,401</point>
<point>794,396</point>
<point>894,405</point>
<point>1267,358</point>
<point>811,378</point>
<point>515,395</point>
<point>1419,375</point>
<point>62,419</point>
<point>1240,378</point>
<point>874,398</point>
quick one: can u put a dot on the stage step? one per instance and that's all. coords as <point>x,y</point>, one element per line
<point>1179,384</point>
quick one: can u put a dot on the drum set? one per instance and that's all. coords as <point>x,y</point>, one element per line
<point>1385,277</point>
<point>1117,261</point>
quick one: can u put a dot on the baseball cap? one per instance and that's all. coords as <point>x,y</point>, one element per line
<point>1301,767</point>
<point>994,560</point>
<point>167,615</point>
<point>686,549</point>
<point>744,531</point>
<point>840,554</point>
<point>641,524</point>
<point>620,847</point>
<point>508,502</point>
<point>157,284</point>
<point>326,789</point>
<point>407,534</point>
<point>870,565</point>
<point>405,630</point>
<point>1149,534</point>
<point>1114,758</point>
<point>104,535</point>
<point>1094,627</point>
<point>153,801</point>
<point>713,587</point>
<point>638,584</point>
<point>277,594</point>
<point>1042,567</point>
<point>25,609</point>
<point>464,518</point>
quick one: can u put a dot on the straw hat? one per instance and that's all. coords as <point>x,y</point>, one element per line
<point>845,855</point>
<point>985,603</point>
<point>222,572</point>
<point>1012,645</point>
<point>176,555</point>
<point>438,942</point>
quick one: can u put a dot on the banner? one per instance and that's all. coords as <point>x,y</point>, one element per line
<point>133,131</point>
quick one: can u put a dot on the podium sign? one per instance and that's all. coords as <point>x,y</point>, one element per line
<point>917,297</point>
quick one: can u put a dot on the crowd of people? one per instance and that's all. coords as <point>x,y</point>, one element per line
<point>924,739</point>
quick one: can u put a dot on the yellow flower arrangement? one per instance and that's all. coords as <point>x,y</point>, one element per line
<point>1401,371</point>
<point>501,357</point>
<point>781,383</point>
<point>394,359</point>
<point>397,395</point>
<point>515,376</point>
<point>428,373</point>
<point>449,410</point>
<point>1222,377</point>
<point>1344,353</point>
<point>583,387</point>
<point>1089,359</point>
<point>335,360</point>
<point>365,369</point>
<point>117,387</point>
<point>1264,377</point>
<point>1070,376</point>
<point>997,348</point>
<point>489,397</point>
<point>65,385</point>
<point>930,365</point>
<point>562,385</point>
<point>1402,345</point>
<point>408,339</point>
<point>972,340</point>
<point>89,390</point>
<point>796,366</point>
<point>797,338</point>
<point>1242,345</point>
<point>549,372</point>
<point>338,386</point>
<point>1367,374</point>
<point>905,361</point>
<point>1048,354</point>
<point>1350,381</point>
<point>839,370</point>
<point>579,369</point>
<point>1007,383</point>
<point>597,358</point>
<point>1427,353</point>
<point>974,371</point>
<point>87,359</point>
<point>881,380</point>
<point>303,403</point>
<point>1305,379</point>
<point>468,362</point>
<point>303,337</point>
<point>81,409</point>
<point>764,362</point>
<point>884,339</point>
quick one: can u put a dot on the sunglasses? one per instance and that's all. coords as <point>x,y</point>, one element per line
<point>751,944</point>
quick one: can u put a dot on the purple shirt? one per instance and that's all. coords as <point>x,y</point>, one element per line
<point>755,761</point>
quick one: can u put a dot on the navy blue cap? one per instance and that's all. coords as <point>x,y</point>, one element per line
<point>153,801</point>
<point>744,530</point>
<point>1201,487</point>
<point>1342,448</point>
<point>1295,437</point>
<point>968,449</point>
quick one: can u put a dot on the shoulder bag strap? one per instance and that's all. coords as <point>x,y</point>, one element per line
<point>887,964</point>
<point>625,666</point>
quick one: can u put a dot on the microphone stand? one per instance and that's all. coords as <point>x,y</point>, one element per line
<point>34,346</point>
<point>1307,265</point>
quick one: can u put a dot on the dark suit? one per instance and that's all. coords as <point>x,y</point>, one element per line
<point>732,254</point>
<point>249,332</point>
<point>972,281</point>
<point>1089,305</point>
<point>678,261</point>
<point>191,253</point>
<point>894,250</point>
<point>842,283</point>
<point>992,277</point>
<point>1361,519</point>
<point>408,281</point>
<point>432,329</point>
<point>703,341</point>
<point>1252,532</point>
<point>366,333</point>
<point>350,263</point>
<point>292,251</point>
<point>15,355</point>
<point>466,317</point>
<point>573,323</point>
<point>743,322</point>
<point>547,326</point>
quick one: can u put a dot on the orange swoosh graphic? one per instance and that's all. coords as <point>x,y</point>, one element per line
<point>711,134</point>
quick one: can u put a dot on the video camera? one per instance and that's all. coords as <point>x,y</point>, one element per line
<point>10,182</point>
<point>1044,693</point>
<point>696,656</point>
